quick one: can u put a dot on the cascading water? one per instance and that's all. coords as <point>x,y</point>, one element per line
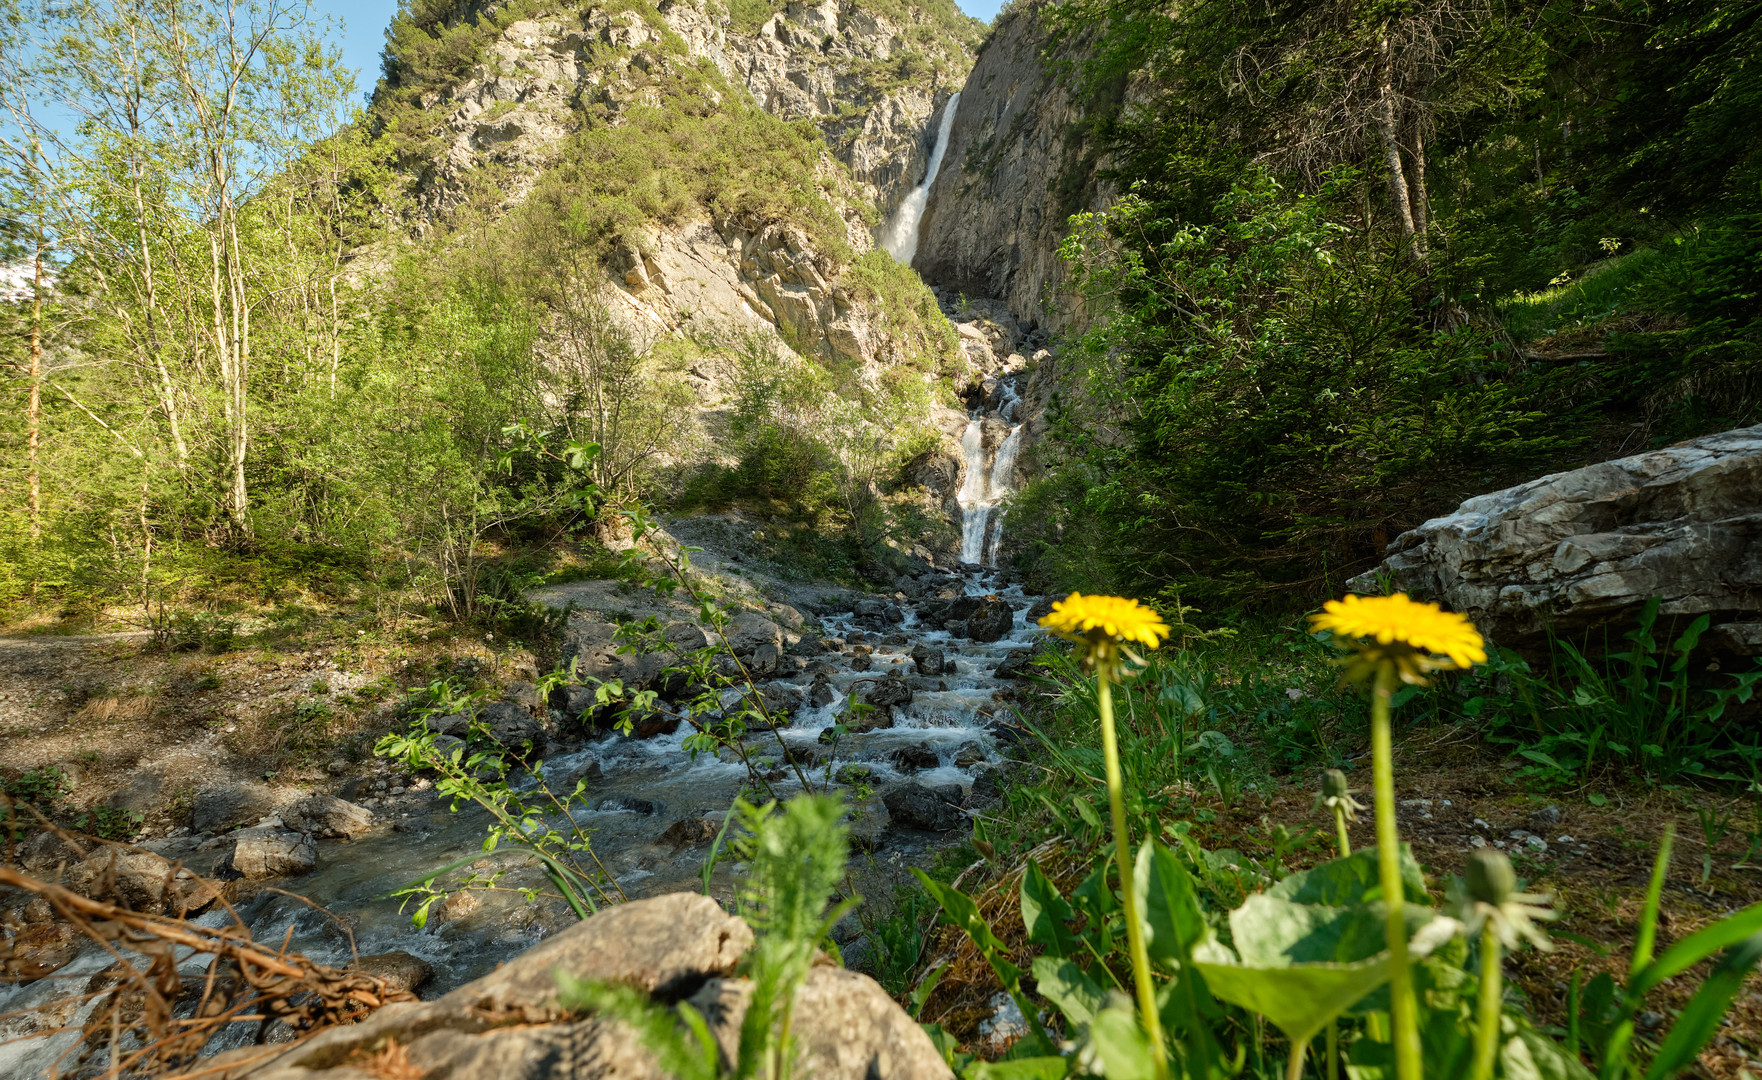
<point>984,488</point>
<point>900,237</point>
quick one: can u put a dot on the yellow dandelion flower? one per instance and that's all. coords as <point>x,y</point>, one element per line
<point>1107,626</point>
<point>1417,638</point>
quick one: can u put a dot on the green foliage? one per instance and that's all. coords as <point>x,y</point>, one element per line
<point>1635,709</point>
<point>108,823</point>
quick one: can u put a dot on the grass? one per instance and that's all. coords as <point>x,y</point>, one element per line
<point>1593,297</point>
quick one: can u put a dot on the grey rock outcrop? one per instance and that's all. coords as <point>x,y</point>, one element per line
<point>1014,172</point>
<point>328,818</point>
<point>510,1023</point>
<point>234,804</point>
<point>1582,548</point>
<point>267,853</point>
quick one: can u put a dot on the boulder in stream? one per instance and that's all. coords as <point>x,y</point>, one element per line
<point>916,757</point>
<point>140,881</point>
<point>326,817</point>
<point>219,809</point>
<point>400,970</point>
<point>915,806</point>
<point>267,853</point>
<point>930,661</point>
<point>992,621</point>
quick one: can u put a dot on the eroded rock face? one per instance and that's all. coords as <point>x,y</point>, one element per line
<point>1581,548</point>
<point>1014,172</point>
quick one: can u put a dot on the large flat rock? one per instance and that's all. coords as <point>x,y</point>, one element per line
<point>1584,548</point>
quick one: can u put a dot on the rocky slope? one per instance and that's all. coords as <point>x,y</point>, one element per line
<point>1017,167</point>
<point>871,81</point>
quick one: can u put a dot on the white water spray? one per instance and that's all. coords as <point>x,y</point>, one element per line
<point>983,490</point>
<point>900,237</point>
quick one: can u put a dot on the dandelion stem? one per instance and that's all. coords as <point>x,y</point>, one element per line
<point>1403,1008</point>
<point>1116,798</point>
<point>1486,1032</point>
<point>1333,1050</point>
<point>1340,830</point>
<point>1294,1066</point>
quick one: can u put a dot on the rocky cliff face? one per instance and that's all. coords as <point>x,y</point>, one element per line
<point>872,85</point>
<point>1017,167</point>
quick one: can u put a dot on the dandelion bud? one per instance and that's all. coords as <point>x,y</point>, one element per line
<point>1333,784</point>
<point>1489,876</point>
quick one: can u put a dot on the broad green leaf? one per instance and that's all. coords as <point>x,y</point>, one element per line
<point>1173,921</point>
<point>1345,882</point>
<point>1070,988</point>
<point>962,912</point>
<point>1701,1019</point>
<point>1527,1054</point>
<point>1045,913</point>
<point>1298,965</point>
<point>1120,1042</point>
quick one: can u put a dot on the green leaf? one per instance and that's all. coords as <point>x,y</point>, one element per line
<point>1351,880</point>
<point>1045,913</point>
<point>1701,1019</point>
<point>1300,965</point>
<point>1070,988</point>
<point>1173,920</point>
<point>1543,759</point>
<point>1121,1044</point>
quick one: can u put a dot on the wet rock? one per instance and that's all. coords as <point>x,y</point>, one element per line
<point>649,723</point>
<point>914,806</point>
<point>1017,665</point>
<point>929,661</point>
<point>592,645</point>
<point>782,700</point>
<point>821,694</point>
<point>890,692</point>
<point>987,786</point>
<point>690,832</point>
<point>968,755</point>
<point>849,1029</point>
<point>400,970</point>
<point>221,808</point>
<point>1040,608</point>
<point>896,639</point>
<point>863,721</point>
<point>992,621</point>
<point>628,804</point>
<point>809,646</point>
<point>750,630</point>
<point>267,853</point>
<point>140,881</point>
<point>511,725</point>
<point>916,757</point>
<point>457,906</point>
<point>325,817</point>
<point>764,660</point>
<point>1546,816</point>
<point>861,662</point>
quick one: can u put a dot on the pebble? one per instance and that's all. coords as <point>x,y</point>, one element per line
<point>1565,840</point>
<point>1477,841</point>
<point>1479,824</point>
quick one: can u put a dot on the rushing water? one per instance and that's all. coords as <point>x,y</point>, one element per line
<point>988,485</point>
<point>949,715</point>
<point>900,236</point>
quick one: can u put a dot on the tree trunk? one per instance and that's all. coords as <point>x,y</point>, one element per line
<point>1388,127</point>
<point>1422,210</point>
<point>34,410</point>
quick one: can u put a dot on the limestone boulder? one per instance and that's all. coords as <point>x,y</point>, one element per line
<point>267,853</point>
<point>1580,549</point>
<point>140,881</point>
<point>328,818</point>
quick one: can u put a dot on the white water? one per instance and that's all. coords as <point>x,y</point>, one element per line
<point>900,237</point>
<point>982,490</point>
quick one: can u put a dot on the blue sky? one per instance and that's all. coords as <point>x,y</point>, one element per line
<point>364,23</point>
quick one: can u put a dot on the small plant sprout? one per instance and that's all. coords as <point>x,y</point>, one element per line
<point>1337,797</point>
<point>1488,903</point>
<point>1389,639</point>
<point>1104,629</point>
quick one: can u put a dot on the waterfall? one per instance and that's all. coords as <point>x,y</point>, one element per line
<point>900,237</point>
<point>982,490</point>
